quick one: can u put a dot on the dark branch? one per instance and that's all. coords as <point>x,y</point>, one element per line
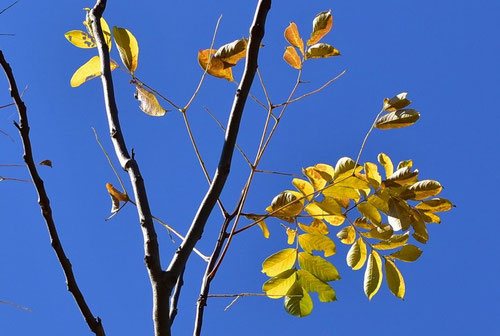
<point>157,278</point>
<point>94,323</point>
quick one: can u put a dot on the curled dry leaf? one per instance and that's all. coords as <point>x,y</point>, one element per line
<point>231,53</point>
<point>148,102</point>
<point>214,66</point>
<point>116,197</point>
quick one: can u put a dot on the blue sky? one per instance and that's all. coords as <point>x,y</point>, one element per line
<point>444,53</point>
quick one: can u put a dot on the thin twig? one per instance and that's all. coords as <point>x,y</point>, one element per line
<point>366,138</point>
<point>275,172</point>
<point>15,305</point>
<point>174,105</point>
<point>94,323</point>
<point>3,178</point>
<point>109,160</point>
<point>9,6</point>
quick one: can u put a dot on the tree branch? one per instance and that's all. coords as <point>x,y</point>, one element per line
<point>151,249</point>
<point>94,323</point>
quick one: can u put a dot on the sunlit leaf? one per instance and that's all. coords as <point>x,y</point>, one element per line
<point>394,242</point>
<point>420,232</point>
<point>260,222</point>
<point>291,234</point>
<point>345,168</point>
<point>319,267</point>
<point>80,39</point>
<point>407,253</point>
<point>317,226</point>
<point>423,189</point>
<point>214,66</point>
<point>356,256</point>
<point>304,187</point>
<point>321,50</point>
<point>286,205</point>
<point>405,163</point>
<point>380,200</point>
<point>316,242</point>
<point>381,233</point>
<point>322,24</point>
<point>116,197</point>
<point>298,302</point>
<point>399,215</point>
<point>373,275</point>
<point>394,279</point>
<point>370,212</point>
<point>347,235</point>
<point>435,205</point>
<point>128,48</point>
<point>106,32</point>
<point>397,102</point>
<point>363,223</point>
<point>293,37</point>
<point>325,170</point>
<point>341,193</point>
<point>88,71</point>
<point>397,119</point>
<point>328,210</point>
<point>148,102</point>
<point>292,58</point>
<point>386,162</point>
<point>430,217</point>
<point>317,179</point>
<point>279,262</point>
<point>402,177</point>
<point>278,286</point>
<point>232,52</point>
<point>311,283</point>
<point>372,174</point>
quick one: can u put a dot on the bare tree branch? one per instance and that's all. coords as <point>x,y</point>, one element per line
<point>161,293</point>
<point>94,323</point>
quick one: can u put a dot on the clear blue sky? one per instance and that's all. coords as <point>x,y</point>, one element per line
<point>444,53</point>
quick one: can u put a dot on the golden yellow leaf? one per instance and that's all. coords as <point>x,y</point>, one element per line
<point>317,242</point>
<point>363,223</point>
<point>304,187</point>
<point>435,205</point>
<point>397,102</point>
<point>317,226</point>
<point>394,279</point>
<point>287,205</point>
<point>292,58</point>
<point>372,174</point>
<point>310,283</point>
<point>279,262</point>
<point>278,286</point>
<point>322,24</point>
<point>383,232</point>
<point>293,37</point>
<point>260,222</point>
<point>373,275</point>
<point>356,256</point>
<point>148,102</point>
<point>347,235</point>
<point>291,234</point>
<point>80,39</point>
<point>88,71</point>
<point>214,66</point>
<point>116,197</point>
<point>386,162</point>
<point>325,170</point>
<point>423,189</point>
<point>128,48</point>
<point>402,177</point>
<point>393,242</point>
<point>231,53</point>
<point>370,212</point>
<point>397,119</point>
<point>316,178</point>
<point>407,253</point>
<point>321,50</point>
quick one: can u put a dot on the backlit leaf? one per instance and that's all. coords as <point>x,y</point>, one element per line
<point>106,32</point>
<point>80,39</point>
<point>363,223</point>
<point>402,177</point>
<point>317,226</point>
<point>298,302</point>
<point>325,170</point>
<point>394,279</point>
<point>291,234</point>
<point>430,217</point>
<point>423,189</point>
<point>286,205</point>
<point>380,200</point>
<point>345,168</point>
<point>399,215</point>
<point>435,205</point>
<point>292,58</point>
<point>370,212</point>
<point>405,163</point>
<point>397,102</point>
<point>214,66</point>
<point>322,24</point>
<point>321,50</point>
<point>311,283</point>
<point>304,187</point>
<point>88,71</point>
<point>328,210</point>
<point>232,52</point>
<point>381,233</point>
<point>386,162</point>
<point>116,197</point>
<point>319,267</point>
<point>148,102</point>
<point>341,193</point>
<point>347,235</point>
<point>278,286</point>
<point>407,253</point>
<point>356,256</point>
<point>128,48</point>
<point>372,174</point>
<point>279,262</point>
<point>373,275</point>
<point>317,179</point>
<point>293,37</point>
<point>392,243</point>
<point>260,222</point>
<point>420,232</point>
<point>316,242</point>
<point>397,119</point>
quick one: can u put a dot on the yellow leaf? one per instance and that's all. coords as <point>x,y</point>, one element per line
<point>326,171</point>
<point>356,256</point>
<point>291,234</point>
<point>370,212</point>
<point>407,253</point>
<point>322,24</point>
<point>318,267</point>
<point>372,174</point>
<point>363,223</point>
<point>383,233</point>
<point>429,217</point>
<point>423,189</point>
<point>405,163</point>
<point>399,215</point>
<point>321,50</point>
<point>278,286</point>
<point>326,210</point>
<point>394,279</point>
<point>148,102</point>
<point>402,177</point>
<point>116,197</point>
<point>304,187</point>
<point>80,39</point>
<point>373,275</point>
<point>88,71</point>
<point>279,262</point>
<point>260,222</point>
<point>232,52</point>
<point>420,231</point>
<point>397,119</point>
<point>345,168</point>
<point>298,302</point>
<point>127,47</point>
<point>341,193</point>
<point>214,66</point>
<point>347,235</point>
<point>292,58</point>
<point>317,226</point>
<point>392,243</point>
<point>380,200</point>
<point>435,205</point>
<point>106,32</point>
<point>317,242</point>
<point>397,102</point>
<point>287,205</point>
<point>311,283</point>
<point>386,162</point>
<point>293,37</point>
<point>317,179</point>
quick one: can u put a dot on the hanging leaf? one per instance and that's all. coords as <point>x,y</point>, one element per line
<point>293,37</point>
<point>397,119</point>
<point>231,53</point>
<point>127,47</point>
<point>291,234</point>
<point>287,205</point>
<point>394,279</point>
<point>386,162</point>
<point>80,39</point>
<point>317,226</point>
<point>116,197</point>
<point>347,235</point>
<point>88,71</point>
<point>397,102</point>
<point>420,232</point>
<point>399,215</point>
<point>292,58</point>
<point>372,174</point>
<point>429,217</point>
<point>319,267</point>
<point>356,256</point>
<point>322,24</point>
<point>278,286</point>
<point>316,242</point>
<point>279,262</point>
<point>298,302</point>
<point>214,66</point>
<point>311,283</point>
<point>373,275</point>
<point>260,222</point>
<point>148,102</point>
<point>435,205</point>
<point>370,212</point>
<point>423,189</point>
<point>394,242</point>
<point>304,187</point>
<point>408,253</point>
<point>321,50</point>
<point>47,163</point>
